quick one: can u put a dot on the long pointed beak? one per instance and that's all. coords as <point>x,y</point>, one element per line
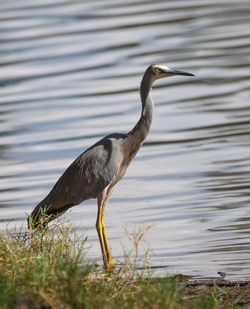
<point>177,72</point>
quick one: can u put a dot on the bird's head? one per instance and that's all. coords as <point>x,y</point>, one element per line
<point>158,71</point>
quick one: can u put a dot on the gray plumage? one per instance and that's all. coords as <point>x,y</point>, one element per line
<point>96,171</point>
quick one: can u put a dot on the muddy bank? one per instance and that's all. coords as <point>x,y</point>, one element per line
<point>231,293</point>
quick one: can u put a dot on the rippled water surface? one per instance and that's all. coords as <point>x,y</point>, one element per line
<point>69,74</point>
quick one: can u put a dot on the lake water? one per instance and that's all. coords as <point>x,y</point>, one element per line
<point>69,74</point>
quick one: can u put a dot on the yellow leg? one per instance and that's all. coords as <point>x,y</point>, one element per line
<point>100,226</point>
<point>100,234</point>
<point>108,254</point>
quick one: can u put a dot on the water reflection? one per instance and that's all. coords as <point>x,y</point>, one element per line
<point>70,73</point>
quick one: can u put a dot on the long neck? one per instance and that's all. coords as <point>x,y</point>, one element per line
<point>141,129</point>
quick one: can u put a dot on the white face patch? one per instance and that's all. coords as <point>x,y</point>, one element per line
<point>162,67</point>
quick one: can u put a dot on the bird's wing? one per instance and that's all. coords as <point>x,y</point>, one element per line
<point>88,175</point>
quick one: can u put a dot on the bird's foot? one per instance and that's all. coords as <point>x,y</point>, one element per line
<point>109,266</point>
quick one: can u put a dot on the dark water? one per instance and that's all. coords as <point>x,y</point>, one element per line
<point>69,74</point>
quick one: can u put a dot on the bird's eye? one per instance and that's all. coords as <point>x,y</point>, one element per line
<point>157,70</point>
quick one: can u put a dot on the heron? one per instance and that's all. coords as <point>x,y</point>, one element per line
<point>97,170</point>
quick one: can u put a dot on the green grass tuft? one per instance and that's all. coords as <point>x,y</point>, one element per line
<point>46,269</point>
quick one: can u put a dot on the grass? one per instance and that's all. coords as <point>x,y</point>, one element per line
<point>46,269</point>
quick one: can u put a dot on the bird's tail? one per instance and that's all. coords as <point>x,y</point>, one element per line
<point>39,216</point>
<point>43,214</point>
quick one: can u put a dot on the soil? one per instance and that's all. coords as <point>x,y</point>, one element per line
<point>232,293</point>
